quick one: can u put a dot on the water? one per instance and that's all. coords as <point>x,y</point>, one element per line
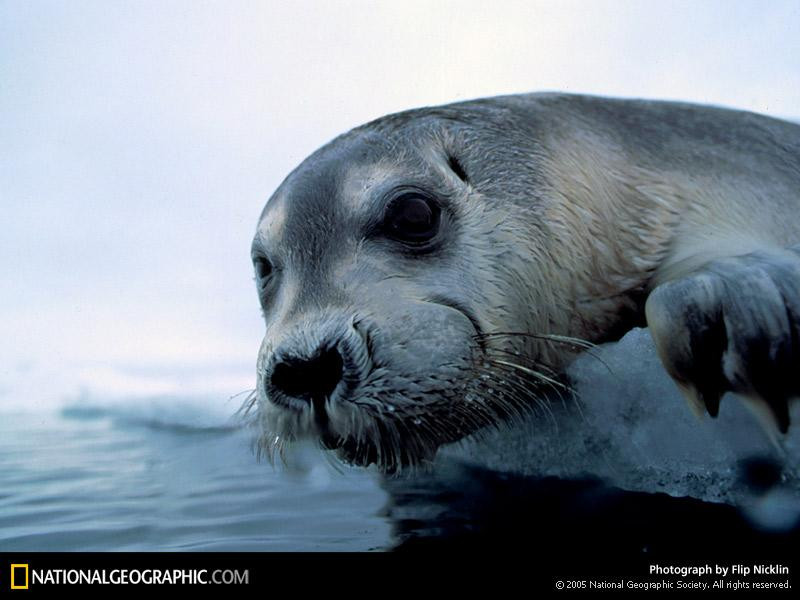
<point>626,472</point>
<point>87,478</point>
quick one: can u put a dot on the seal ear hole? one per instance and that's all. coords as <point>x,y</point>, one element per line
<point>457,168</point>
<point>263,268</point>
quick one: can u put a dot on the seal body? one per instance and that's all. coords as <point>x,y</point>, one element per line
<point>429,273</point>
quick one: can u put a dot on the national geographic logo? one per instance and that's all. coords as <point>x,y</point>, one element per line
<point>19,576</point>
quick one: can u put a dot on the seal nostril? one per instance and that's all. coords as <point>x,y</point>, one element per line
<point>309,379</point>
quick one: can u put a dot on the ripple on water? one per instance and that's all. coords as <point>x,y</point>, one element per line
<point>91,480</point>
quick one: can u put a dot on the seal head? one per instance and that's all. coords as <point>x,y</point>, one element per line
<point>380,270</point>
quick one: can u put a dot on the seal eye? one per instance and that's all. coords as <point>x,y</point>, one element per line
<point>263,270</point>
<point>411,218</point>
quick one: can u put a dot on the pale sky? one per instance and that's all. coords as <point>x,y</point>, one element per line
<point>139,141</point>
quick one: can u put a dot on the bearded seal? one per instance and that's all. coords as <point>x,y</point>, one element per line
<point>431,272</point>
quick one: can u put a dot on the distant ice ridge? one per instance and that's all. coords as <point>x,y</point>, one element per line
<point>175,413</point>
<point>631,427</point>
<point>205,395</point>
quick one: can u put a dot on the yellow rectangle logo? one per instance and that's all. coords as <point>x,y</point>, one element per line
<point>15,569</point>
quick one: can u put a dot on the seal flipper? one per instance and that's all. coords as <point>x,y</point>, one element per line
<point>733,326</point>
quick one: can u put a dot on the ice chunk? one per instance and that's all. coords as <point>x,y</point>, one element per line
<point>630,426</point>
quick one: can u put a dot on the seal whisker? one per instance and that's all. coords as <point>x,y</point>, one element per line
<point>535,365</point>
<point>530,372</point>
<point>516,394</point>
<point>586,346</point>
<point>248,391</point>
<point>560,339</point>
<point>249,403</point>
<point>559,390</point>
<point>525,394</point>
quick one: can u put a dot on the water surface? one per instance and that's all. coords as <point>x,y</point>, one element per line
<point>86,478</point>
